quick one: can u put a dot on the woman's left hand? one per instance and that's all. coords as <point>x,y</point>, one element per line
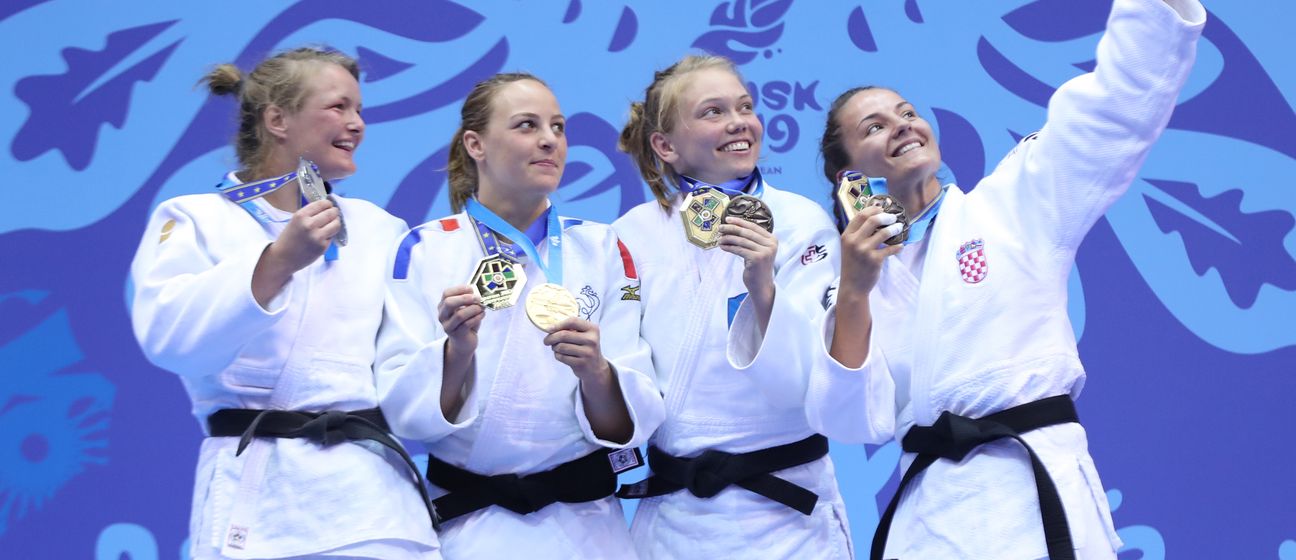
<point>575,342</point>
<point>757,248</point>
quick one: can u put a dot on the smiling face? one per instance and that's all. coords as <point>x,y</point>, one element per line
<point>523,149</point>
<point>327,128</point>
<point>883,136</point>
<point>715,135</point>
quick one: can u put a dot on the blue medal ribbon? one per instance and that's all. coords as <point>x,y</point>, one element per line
<point>731,188</point>
<point>243,194</point>
<point>489,225</point>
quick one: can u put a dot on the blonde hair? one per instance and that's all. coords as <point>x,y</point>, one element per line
<point>657,113</point>
<point>461,169</point>
<point>279,81</point>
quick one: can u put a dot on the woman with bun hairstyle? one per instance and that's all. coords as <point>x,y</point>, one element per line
<point>250,297</point>
<point>968,316</point>
<point>511,346</point>
<point>730,301</point>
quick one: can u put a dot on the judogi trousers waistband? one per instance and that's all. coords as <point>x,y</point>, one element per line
<point>324,428</point>
<point>589,478</point>
<point>707,474</point>
<point>953,437</point>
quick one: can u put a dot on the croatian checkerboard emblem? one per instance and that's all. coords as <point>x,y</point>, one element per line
<point>972,261</point>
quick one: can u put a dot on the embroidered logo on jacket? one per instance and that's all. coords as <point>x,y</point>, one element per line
<point>972,261</point>
<point>814,254</point>
<point>166,230</point>
<point>588,301</point>
<point>237,537</point>
<point>630,292</point>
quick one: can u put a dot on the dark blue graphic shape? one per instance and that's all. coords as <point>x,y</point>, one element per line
<point>912,12</point>
<point>417,192</point>
<point>1011,77</point>
<point>573,11</point>
<point>734,15</point>
<point>1254,258</point>
<point>588,129</point>
<point>66,118</point>
<point>17,6</point>
<point>1054,21</point>
<point>376,66</point>
<point>857,28</point>
<point>968,161</point>
<point>626,29</point>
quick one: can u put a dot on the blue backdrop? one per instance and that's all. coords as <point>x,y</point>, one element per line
<point>1184,296</point>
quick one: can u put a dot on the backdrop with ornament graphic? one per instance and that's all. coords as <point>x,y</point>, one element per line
<point>1183,296</point>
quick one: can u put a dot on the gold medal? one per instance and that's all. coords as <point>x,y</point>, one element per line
<point>854,195</point>
<point>548,304</point>
<point>751,209</point>
<point>312,187</point>
<point>702,213</point>
<point>498,281</point>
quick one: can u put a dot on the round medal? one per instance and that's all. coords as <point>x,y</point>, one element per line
<point>498,281</point>
<point>751,209</point>
<point>889,205</point>
<point>548,304</point>
<point>701,212</point>
<point>312,187</point>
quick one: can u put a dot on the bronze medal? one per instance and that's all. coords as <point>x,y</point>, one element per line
<point>702,213</point>
<point>751,209</point>
<point>312,187</point>
<point>498,281</point>
<point>548,304</point>
<point>854,195</point>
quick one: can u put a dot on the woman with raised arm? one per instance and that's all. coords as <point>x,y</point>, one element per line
<point>964,304</point>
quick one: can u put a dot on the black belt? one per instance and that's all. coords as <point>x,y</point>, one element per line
<point>589,478</point>
<point>707,474</point>
<point>953,437</point>
<point>325,428</point>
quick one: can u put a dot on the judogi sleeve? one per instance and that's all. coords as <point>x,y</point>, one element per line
<point>1101,125</point>
<point>850,405</point>
<point>411,348</point>
<point>625,350</point>
<point>191,314</point>
<point>783,358</point>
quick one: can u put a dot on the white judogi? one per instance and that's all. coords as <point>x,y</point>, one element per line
<point>523,412</point>
<point>975,345</point>
<point>729,390</point>
<point>194,314</point>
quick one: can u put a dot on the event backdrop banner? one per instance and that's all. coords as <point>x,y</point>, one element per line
<point>1184,296</point>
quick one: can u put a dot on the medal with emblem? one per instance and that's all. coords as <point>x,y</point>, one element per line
<point>751,209</point>
<point>312,187</point>
<point>702,213</point>
<point>548,304</point>
<point>855,193</point>
<point>498,281</point>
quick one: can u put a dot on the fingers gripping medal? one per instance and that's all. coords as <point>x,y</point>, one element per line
<point>751,209</point>
<point>548,304</point>
<point>312,187</point>
<point>855,192</point>
<point>702,213</point>
<point>498,281</point>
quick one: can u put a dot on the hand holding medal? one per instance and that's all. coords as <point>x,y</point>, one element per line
<point>312,189</point>
<point>855,192</point>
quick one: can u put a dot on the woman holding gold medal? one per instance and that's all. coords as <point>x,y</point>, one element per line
<point>970,300</point>
<point>250,297</point>
<point>734,273</point>
<point>528,403</point>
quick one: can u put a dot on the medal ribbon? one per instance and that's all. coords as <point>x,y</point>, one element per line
<point>243,194</point>
<point>731,188</point>
<point>489,224</point>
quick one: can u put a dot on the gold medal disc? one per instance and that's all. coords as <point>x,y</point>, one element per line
<point>548,304</point>
<point>498,281</point>
<point>702,214</point>
<point>854,195</point>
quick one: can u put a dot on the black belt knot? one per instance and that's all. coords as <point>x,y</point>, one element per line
<point>707,474</point>
<point>953,437</point>
<point>325,428</point>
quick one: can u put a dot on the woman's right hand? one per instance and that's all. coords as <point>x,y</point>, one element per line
<point>307,235</point>
<point>460,313</point>
<point>864,249</point>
